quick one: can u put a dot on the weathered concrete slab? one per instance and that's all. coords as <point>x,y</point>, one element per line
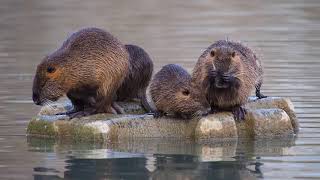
<point>276,102</point>
<point>262,123</point>
<point>219,125</point>
<point>265,118</point>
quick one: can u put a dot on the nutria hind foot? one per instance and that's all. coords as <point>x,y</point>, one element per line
<point>183,116</point>
<point>258,93</point>
<point>260,96</point>
<point>80,113</point>
<point>158,114</point>
<point>68,113</point>
<point>117,108</point>
<point>239,113</point>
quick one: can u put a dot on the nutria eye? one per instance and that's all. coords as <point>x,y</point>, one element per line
<point>233,54</point>
<point>213,53</point>
<point>50,69</point>
<point>186,92</point>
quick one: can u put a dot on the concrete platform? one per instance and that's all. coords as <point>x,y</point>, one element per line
<point>266,118</point>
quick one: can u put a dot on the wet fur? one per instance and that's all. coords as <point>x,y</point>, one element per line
<point>166,91</point>
<point>90,66</point>
<point>247,71</point>
<point>138,77</point>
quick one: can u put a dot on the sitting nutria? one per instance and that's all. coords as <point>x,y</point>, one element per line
<point>228,72</point>
<point>172,92</point>
<point>139,75</point>
<point>89,67</point>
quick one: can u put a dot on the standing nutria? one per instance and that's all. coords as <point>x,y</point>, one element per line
<point>228,72</point>
<point>139,75</point>
<point>89,67</point>
<point>172,92</point>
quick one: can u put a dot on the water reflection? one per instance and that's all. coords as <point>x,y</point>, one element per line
<point>157,159</point>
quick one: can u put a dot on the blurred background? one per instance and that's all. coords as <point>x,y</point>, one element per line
<point>284,33</point>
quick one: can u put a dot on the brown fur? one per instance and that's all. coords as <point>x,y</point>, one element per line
<point>172,92</point>
<point>138,76</point>
<point>238,64</point>
<point>89,67</point>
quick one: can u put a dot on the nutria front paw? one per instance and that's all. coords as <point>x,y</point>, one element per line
<point>74,110</point>
<point>158,114</point>
<point>260,96</point>
<point>258,93</point>
<point>117,108</point>
<point>213,111</point>
<point>239,113</point>
<point>63,113</point>
<point>78,114</point>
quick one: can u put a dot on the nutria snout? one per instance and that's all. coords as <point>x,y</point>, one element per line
<point>223,80</point>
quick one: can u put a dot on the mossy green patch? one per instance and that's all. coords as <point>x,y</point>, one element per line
<point>41,128</point>
<point>66,130</point>
<point>78,132</point>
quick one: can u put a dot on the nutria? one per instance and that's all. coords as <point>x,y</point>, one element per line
<point>88,68</point>
<point>228,72</point>
<point>172,93</point>
<point>139,75</point>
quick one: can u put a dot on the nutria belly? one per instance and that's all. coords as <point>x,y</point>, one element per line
<point>225,98</point>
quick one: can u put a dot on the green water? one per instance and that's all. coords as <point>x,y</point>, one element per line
<point>284,33</point>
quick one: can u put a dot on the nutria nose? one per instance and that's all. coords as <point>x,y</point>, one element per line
<point>35,98</point>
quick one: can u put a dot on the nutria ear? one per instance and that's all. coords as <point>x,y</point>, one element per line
<point>213,52</point>
<point>233,54</point>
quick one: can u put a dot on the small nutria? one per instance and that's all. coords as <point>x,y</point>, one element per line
<point>228,72</point>
<point>139,75</point>
<point>173,93</point>
<point>88,68</point>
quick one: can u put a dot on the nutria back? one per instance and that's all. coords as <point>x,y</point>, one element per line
<point>138,76</point>
<point>89,67</point>
<point>228,72</point>
<point>172,92</point>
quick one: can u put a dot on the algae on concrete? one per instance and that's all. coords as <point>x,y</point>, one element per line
<point>267,117</point>
<point>40,128</point>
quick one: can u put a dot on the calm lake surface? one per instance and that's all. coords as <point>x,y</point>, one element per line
<point>284,33</point>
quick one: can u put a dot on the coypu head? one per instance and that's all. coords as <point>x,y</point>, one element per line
<point>190,101</point>
<point>48,83</point>
<point>226,69</point>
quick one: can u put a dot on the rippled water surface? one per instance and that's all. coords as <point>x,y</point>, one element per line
<point>284,33</point>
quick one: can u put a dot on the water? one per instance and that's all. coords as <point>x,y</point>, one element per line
<point>284,33</point>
